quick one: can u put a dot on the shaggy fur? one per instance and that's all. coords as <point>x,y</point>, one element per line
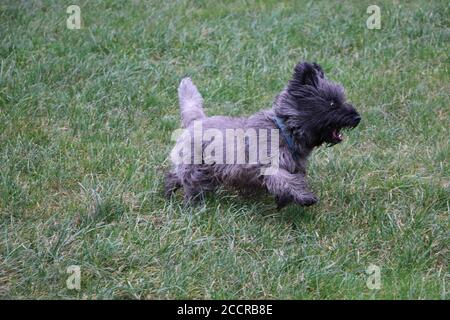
<point>313,109</point>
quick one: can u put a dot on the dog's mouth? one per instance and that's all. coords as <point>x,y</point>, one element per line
<point>334,136</point>
<point>337,136</point>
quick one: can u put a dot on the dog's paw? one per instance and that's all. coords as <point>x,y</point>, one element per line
<point>306,199</point>
<point>282,201</point>
<point>193,200</point>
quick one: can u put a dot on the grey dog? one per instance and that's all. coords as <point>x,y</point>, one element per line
<point>310,111</point>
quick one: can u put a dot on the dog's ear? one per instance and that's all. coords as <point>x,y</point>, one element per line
<point>319,70</point>
<point>306,73</point>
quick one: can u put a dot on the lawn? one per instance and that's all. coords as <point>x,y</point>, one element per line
<point>86,118</point>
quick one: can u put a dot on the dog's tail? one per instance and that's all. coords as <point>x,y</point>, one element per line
<point>191,102</point>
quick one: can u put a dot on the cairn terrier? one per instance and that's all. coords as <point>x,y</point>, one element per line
<point>310,111</point>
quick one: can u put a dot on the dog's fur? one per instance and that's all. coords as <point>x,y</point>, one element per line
<point>313,110</point>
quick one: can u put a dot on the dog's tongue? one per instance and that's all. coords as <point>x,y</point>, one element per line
<point>337,135</point>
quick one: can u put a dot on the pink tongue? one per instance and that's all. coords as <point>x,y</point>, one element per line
<point>337,135</point>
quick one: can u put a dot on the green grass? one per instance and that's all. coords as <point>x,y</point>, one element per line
<point>85,123</point>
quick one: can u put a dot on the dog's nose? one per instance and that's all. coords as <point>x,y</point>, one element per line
<point>357,118</point>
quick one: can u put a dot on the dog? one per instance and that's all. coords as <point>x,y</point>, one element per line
<point>309,112</point>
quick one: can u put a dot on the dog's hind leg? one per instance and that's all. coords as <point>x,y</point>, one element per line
<point>287,187</point>
<point>192,196</point>
<point>171,183</point>
<point>196,181</point>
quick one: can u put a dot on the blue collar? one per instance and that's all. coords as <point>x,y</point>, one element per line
<point>287,137</point>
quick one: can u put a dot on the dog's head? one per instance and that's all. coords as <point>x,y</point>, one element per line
<point>315,108</point>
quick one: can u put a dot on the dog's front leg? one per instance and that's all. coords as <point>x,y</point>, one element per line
<point>287,187</point>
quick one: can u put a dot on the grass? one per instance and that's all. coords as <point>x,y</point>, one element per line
<point>85,123</point>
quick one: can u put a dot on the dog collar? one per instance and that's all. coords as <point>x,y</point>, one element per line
<point>287,137</point>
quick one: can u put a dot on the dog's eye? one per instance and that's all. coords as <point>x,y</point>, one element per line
<point>333,104</point>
